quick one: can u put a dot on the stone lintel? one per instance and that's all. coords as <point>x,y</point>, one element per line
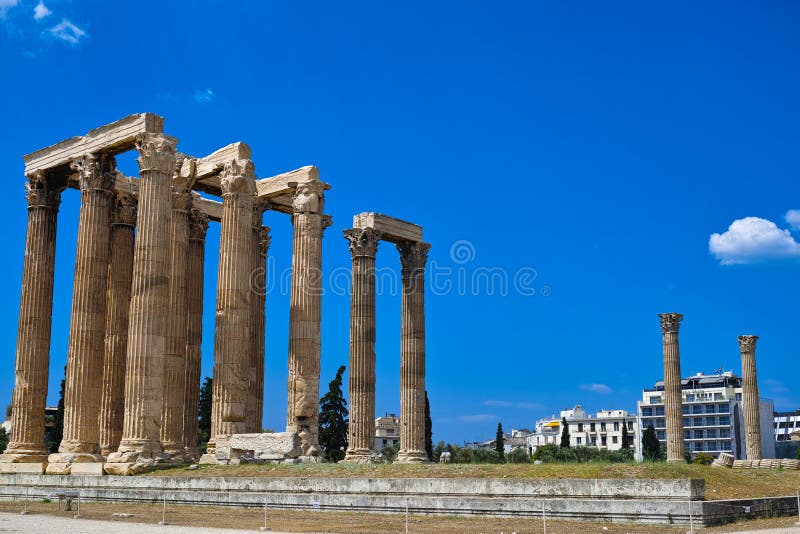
<point>209,167</point>
<point>278,185</point>
<point>391,229</point>
<point>212,208</point>
<point>114,138</point>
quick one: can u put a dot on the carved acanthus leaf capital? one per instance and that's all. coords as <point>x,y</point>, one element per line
<point>95,171</point>
<point>413,255</point>
<point>125,209</point>
<point>40,191</point>
<point>363,241</point>
<point>747,343</point>
<point>308,197</point>
<point>670,322</point>
<point>156,153</point>
<point>181,199</point>
<point>264,240</point>
<point>198,224</point>
<point>238,176</point>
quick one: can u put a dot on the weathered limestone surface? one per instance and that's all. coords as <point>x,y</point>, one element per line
<point>120,277</point>
<point>140,447</point>
<point>172,418</point>
<point>673,400</point>
<point>255,401</point>
<point>413,256</point>
<point>750,399</point>
<point>391,229</point>
<point>194,332</point>
<point>305,315</point>
<point>82,390</point>
<point>361,430</point>
<point>268,447</point>
<point>35,319</point>
<point>232,347</point>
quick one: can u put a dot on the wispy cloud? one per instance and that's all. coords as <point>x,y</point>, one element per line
<point>509,404</point>
<point>775,386</point>
<point>68,32</point>
<point>5,5</point>
<point>596,388</point>
<point>793,218</point>
<point>204,96</point>
<point>41,11</point>
<point>753,239</point>
<point>477,418</point>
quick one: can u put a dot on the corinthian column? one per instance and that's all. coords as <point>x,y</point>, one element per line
<point>82,390</point>
<point>258,284</point>
<point>413,256</point>
<point>35,320</point>
<point>172,439</point>
<point>120,276</point>
<point>194,332</point>
<point>232,347</point>
<point>140,447</point>
<point>673,400</point>
<point>305,315</point>
<point>750,399</point>
<point>361,431</point>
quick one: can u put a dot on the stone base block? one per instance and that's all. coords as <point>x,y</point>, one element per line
<point>271,447</point>
<point>135,463</point>
<point>24,458</point>
<point>208,459</point>
<point>92,469</point>
<point>362,457</point>
<point>58,468</point>
<point>412,457</point>
<point>23,467</point>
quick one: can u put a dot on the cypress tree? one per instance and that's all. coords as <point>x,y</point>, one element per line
<point>204,412</point>
<point>500,443</point>
<point>333,419</point>
<point>564,433</point>
<point>651,448</point>
<point>428,428</point>
<point>625,438</point>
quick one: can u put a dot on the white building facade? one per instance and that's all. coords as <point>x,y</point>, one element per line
<point>602,430</point>
<point>784,424</point>
<point>387,431</point>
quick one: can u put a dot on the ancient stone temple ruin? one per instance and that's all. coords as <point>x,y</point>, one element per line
<point>133,367</point>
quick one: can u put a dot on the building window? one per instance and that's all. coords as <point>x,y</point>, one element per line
<point>697,408</point>
<point>603,441</point>
<point>630,425</point>
<point>578,441</point>
<point>613,439</point>
<point>711,421</point>
<point>689,398</point>
<point>647,412</point>
<point>384,442</point>
<point>655,400</point>
<point>724,420</point>
<point>685,409</point>
<point>580,427</point>
<point>616,427</point>
<point>698,421</point>
<point>592,427</point>
<point>594,441</point>
<point>698,434</point>
<point>659,410</point>
<point>724,408</point>
<point>602,428</point>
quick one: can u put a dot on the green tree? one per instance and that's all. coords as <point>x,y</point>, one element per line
<point>518,456</point>
<point>428,428</point>
<point>500,443</point>
<point>3,439</point>
<point>389,453</point>
<point>626,440</point>
<point>58,419</point>
<point>651,448</point>
<point>333,419</point>
<point>204,413</point>
<point>564,433</point>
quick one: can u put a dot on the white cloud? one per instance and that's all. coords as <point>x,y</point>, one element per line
<point>204,96</point>
<point>67,31</point>
<point>41,11</point>
<point>478,418</point>
<point>519,405</point>
<point>793,218</point>
<point>596,388</point>
<point>752,239</point>
<point>776,386</point>
<point>5,5</point>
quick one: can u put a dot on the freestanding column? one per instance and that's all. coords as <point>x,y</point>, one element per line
<point>258,283</point>
<point>232,347</point>
<point>35,320</point>
<point>750,399</point>
<point>82,390</point>
<point>194,337</point>
<point>673,399</point>
<point>413,256</point>
<point>305,315</point>
<point>120,276</point>
<point>140,447</point>
<point>172,439</point>
<point>361,431</point>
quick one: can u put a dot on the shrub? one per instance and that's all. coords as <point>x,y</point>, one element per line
<point>518,456</point>
<point>703,458</point>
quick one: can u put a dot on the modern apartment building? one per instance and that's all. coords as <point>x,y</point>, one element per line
<point>602,430</point>
<point>785,423</point>
<point>387,431</point>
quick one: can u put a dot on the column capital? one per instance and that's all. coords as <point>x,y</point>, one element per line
<point>156,153</point>
<point>363,241</point>
<point>198,224</point>
<point>40,192</point>
<point>308,197</point>
<point>260,205</point>
<point>264,240</point>
<point>670,322</point>
<point>747,343</point>
<point>183,178</point>
<point>95,171</point>
<point>413,255</point>
<point>238,176</point>
<point>125,209</point>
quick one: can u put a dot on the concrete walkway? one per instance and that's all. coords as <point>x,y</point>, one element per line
<point>47,524</point>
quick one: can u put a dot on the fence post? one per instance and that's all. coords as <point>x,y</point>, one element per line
<point>798,509</point>
<point>164,511</point>
<point>78,515</point>
<point>25,505</point>
<point>691,520</point>
<point>265,527</point>
<point>544,518</point>
<point>406,515</point>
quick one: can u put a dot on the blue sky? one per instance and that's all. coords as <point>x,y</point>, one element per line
<point>617,160</point>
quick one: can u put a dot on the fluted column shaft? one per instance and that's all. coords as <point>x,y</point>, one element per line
<point>120,276</point>
<point>194,331</point>
<point>35,320</point>
<point>258,282</point>
<point>673,399</point>
<point>232,349</point>
<point>82,390</point>
<point>413,256</point>
<point>144,369</point>
<point>361,430</point>
<point>172,439</point>
<point>750,398</point>
<point>305,316</point>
